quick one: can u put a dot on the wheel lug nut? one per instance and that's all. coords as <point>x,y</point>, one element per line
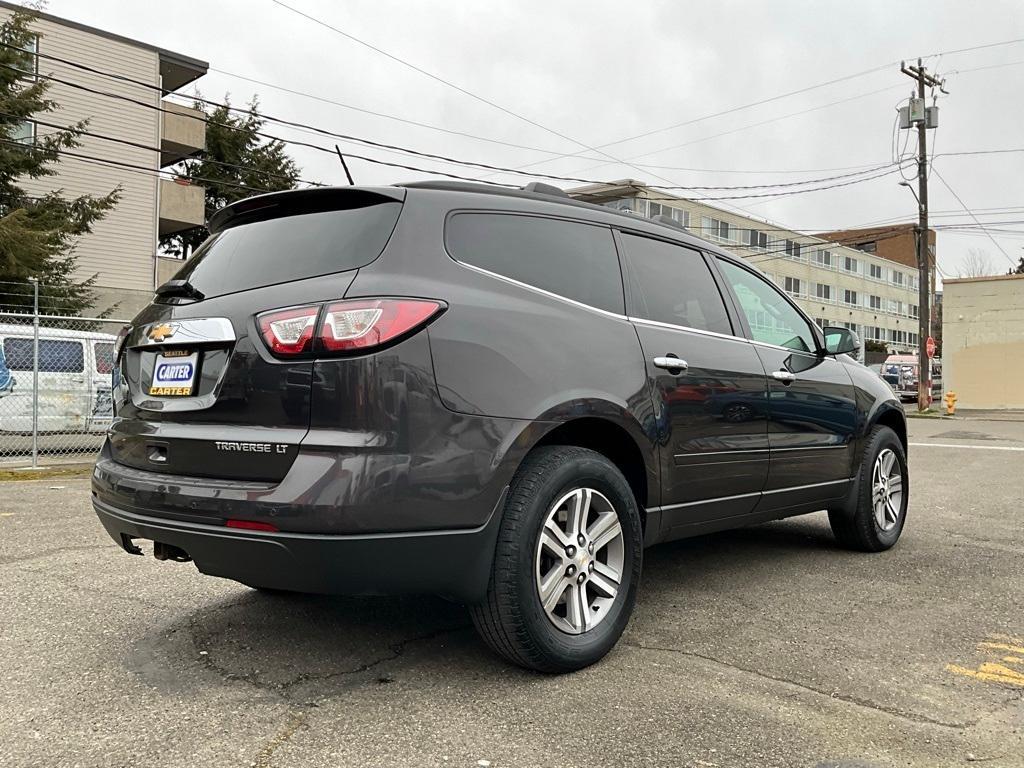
<point>590,548</point>
<point>582,578</point>
<point>570,551</point>
<point>581,540</point>
<point>570,570</point>
<point>590,567</point>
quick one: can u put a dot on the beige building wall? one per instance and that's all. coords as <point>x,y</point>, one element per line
<point>983,341</point>
<point>121,248</point>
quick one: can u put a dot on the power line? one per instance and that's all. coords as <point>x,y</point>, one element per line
<point>770,99</point>
<point>138,145</point>
<point>445,82</point>
<point>439,158</point>
<point>975,218</point>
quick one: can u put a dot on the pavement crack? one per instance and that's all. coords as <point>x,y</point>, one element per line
<point>834,695</point>
<point>296,720</point>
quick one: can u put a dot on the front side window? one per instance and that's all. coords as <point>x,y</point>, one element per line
<point>567,258</point>
<point>672,284</point>
<point>772,319</point>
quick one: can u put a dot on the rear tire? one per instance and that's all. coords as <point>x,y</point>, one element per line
<point>563,499</point>
<point>883,495</point>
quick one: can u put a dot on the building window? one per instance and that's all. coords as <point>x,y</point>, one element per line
<point>851,327</point>
<point>850,264</point>
<point>866,247</point>
<point>628,205</point>
<point>24,132</point>
<point>912,308</point>
<point>823,291</point>
<point>850,297</point>
<point>714,228</point>
<point>679,216</point>
<point>875,271</point>
<point>912,282</point>
<point>823,258</point>
<point>757,239</point>
<point>792,249</point>
<point>875,302</point>
<point>793,287</point>
<point>897,277</point>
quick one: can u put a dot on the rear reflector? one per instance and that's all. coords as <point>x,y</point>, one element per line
<point>366,323</point>
<point>346,326</point>
<point>251,525</point>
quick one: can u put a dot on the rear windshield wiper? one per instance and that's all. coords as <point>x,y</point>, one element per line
<point>180,288</point>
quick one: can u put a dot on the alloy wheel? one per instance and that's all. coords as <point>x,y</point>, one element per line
<point>579,561</point>
<point>887,490</point>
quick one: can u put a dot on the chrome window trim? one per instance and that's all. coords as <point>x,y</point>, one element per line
<point>784,349</point>
<point>541,291</point>
<point>672,327</point>
<point>203,330</point>
<point>812,448</point>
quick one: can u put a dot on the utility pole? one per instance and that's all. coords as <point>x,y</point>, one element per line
<point>924,121</point>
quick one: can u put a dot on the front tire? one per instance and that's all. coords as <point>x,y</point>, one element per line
<point>567,562</point>
<point>882,497</point>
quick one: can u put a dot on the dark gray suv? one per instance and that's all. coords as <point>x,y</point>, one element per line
<point>497,396</point>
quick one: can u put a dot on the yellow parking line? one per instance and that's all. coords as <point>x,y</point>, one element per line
<point>990,673</point>
<point>1002,647</point>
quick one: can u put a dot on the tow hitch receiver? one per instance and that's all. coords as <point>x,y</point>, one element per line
<point>163,551</point>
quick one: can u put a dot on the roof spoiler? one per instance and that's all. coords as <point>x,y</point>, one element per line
<point>297,201</point>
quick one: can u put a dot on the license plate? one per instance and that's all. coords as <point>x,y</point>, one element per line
<point>174,374</point>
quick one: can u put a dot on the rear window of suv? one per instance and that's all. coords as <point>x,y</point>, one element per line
<point>573,260</point>
<point>290,248</point>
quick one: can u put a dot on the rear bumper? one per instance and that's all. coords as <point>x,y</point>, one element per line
<point>455,564</point>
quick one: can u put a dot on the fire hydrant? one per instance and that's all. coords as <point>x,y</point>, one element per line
<point>950,403</point>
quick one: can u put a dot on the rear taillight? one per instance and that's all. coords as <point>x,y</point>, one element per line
<point>288,332</point>
<point>345,326</point>
<point>366,323</point>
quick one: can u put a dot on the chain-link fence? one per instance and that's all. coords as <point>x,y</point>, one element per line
<point>55,383</point>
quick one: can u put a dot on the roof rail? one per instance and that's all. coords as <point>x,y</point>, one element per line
<point>540,188</point>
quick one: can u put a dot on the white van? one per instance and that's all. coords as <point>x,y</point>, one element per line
<point>74,379</point>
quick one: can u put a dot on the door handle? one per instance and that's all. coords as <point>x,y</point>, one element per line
<point>670,364</point>
<point>784,376</point>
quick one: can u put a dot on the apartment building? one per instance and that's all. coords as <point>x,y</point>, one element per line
<point>122,249</point>
<point>835,284</point>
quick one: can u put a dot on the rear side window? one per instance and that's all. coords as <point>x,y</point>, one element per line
<point>577,261</point>
<point>290,248</point>
<point>54,356</point>
<point>672,284</point>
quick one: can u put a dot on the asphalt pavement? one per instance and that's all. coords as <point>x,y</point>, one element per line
<point>767,646</point>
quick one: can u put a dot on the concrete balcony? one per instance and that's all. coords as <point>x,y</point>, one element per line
<point>183,133</point>
<point>182,206</point>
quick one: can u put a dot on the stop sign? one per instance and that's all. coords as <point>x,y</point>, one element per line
<point>929,347</point>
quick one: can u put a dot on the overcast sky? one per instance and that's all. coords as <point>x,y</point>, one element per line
<point>599,72</point>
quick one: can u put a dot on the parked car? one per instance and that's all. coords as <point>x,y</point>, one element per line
<point>74,379</point>
<point>498,396</point>
<point>902,372</point>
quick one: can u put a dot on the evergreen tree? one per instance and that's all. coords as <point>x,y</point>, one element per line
<point>38,233</point>
<point>237,163</point>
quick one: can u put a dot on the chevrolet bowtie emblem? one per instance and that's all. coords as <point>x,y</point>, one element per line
<point>162,331</point>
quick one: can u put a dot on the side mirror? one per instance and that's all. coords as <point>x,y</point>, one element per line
<point>841,341</point>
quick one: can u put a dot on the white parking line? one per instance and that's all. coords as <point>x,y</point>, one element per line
<point>977,447</point>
